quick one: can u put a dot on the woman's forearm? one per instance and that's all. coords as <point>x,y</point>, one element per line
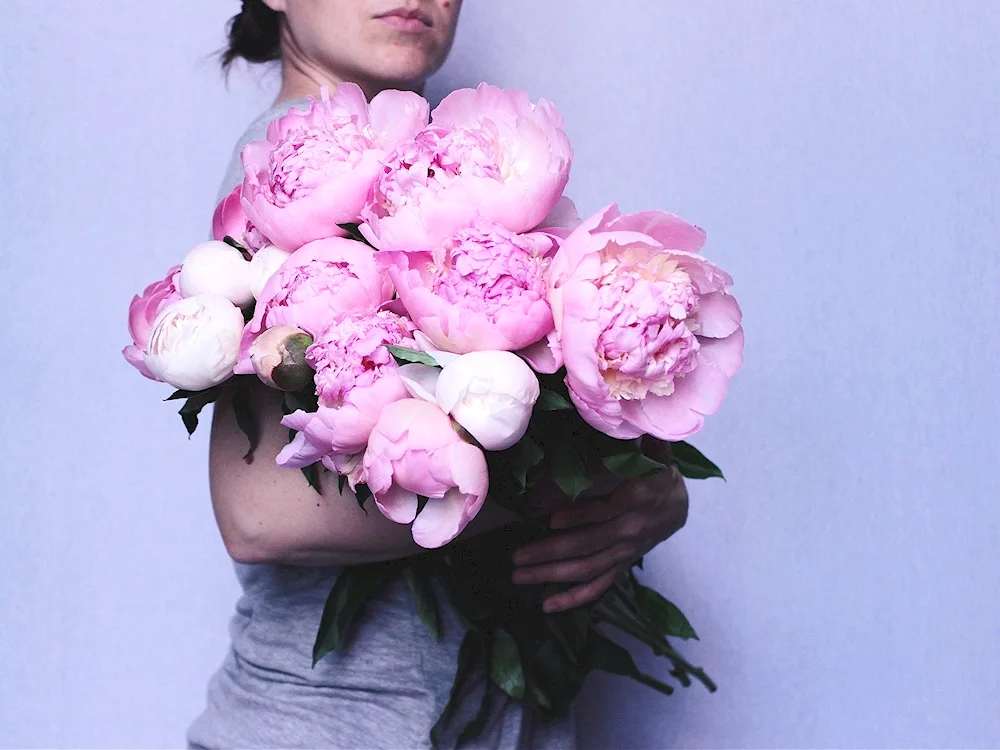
<point>268,514</point>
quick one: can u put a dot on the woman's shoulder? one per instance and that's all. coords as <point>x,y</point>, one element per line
<point>256,131</point>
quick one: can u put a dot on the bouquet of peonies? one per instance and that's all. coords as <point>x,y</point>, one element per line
<point>445,328</point>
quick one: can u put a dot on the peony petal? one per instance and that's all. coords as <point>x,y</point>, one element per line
<point>443,358</point>
<point>681,414</point>
<point>397,504</point>
<point>420,380</point>
<point>352,99</point>
<point>300,452</point>
<point>229,218</point>
<point>545,355</point>
<point>397,116</point>
<point>670,231</point>
<point>133,355</point>
<point>662,417</point>
<point>726,354</point>
<point>441,520</point>
<point>563,217</point>
<point>719,315</point>
<point>605,416</point>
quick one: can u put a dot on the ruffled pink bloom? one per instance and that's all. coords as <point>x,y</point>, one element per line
<point>230,220</point>
<point>414,451</point>
<point>648,330</point>
<point>488,153</point>
<point>316,284</point>
<point>355,378</point>
<point>351,353</point>
<point>483,289</point>
<point>315,169</point>
<point>142,313</point>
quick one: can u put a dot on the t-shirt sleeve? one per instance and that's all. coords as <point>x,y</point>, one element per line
<point>256,132</point>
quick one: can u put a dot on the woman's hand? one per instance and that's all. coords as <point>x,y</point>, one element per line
<point>602,537</point>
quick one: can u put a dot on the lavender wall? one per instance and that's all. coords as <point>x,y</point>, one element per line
<point>844,158</point>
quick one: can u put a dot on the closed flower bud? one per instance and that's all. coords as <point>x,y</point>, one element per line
<point>279,358</point>
<point>263,264</point>
<point>216,268</point>
<point>491,394</point>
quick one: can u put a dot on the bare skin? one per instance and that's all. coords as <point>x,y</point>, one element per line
<point>271,515</point>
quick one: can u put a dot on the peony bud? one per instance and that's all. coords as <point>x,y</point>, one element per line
<point>491,394</point>
<point>216,268</point>
<point>194,342</point>
<point>263,264</point>
<point>279,358</point>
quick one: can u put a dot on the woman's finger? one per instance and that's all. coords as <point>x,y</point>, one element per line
<point>594,510</point>
<point>583,594</point>
<point>580,570</point>
<point>568,545</point>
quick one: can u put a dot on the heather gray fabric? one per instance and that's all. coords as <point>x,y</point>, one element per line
<point>385,691</point>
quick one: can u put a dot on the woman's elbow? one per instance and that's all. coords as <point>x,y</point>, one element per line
<point>247,541</point>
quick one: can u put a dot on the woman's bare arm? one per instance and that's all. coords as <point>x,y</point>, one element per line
<point>268,514</point>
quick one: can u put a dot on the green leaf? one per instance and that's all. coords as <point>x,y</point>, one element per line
<point>663,614</point>
<point>196,401</point>
<point>560,678</point>
<point>424,599</point>
<point>692,462</point>
<point>552,401</point>
<point>353,587</point>
<point>353,232</point>
<point>311,473</point>
<point>181,394</point>
<point>568,470</point>
<point>632,465</point>
<point>505,667</point>
<point>299,401</point>
<point>471,646</point>
<point>233,243</point>
<point>362,493</point>
<point>538,696</point>
<point>245,417</point>
<point>608,656</point>
<point>524,454</point>
<point>475,727</point>
<point>404,355</point>
<point>422,501</point>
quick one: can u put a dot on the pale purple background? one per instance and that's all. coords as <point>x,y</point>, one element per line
<point>844,158</point>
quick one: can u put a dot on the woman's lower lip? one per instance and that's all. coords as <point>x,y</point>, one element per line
<point>405,24</point>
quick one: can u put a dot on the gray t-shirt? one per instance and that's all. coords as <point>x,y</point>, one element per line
<point>385,691</point>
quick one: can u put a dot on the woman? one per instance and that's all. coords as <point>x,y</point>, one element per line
<point>389,686</point>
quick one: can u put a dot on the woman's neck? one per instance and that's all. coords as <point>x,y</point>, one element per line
<point>301,77</point>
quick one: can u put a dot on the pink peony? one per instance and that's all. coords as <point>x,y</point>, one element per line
<point>648,330</point>
<point>315,169</point>
<point>351,353</point>
<point>489,153</point>
<point>414,451</point>
<point>230,220</point>
<point>314,285</point>
<point>355,378</point>
<point>142,313</point>
<point>483,289</point>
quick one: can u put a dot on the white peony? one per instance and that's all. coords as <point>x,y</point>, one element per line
<point>490,393</point>
<point>263,264</point>
<point>216,268</point>
<point>194,342</point>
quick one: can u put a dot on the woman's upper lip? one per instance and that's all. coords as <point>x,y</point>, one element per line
<point>405,13</point>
